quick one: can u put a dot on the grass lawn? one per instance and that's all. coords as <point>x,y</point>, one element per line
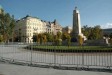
<point>73,47</point>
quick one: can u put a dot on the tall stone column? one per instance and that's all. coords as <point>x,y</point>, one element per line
<point>76,22</point>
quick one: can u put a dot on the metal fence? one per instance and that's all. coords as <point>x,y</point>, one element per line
<point>18,54</point>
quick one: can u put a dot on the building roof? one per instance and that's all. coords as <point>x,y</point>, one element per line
<point>55,22</point>
<point>28,16</point>
<point>48,23</point>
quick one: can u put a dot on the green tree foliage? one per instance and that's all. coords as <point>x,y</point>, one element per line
<point>34,38</point>
<point>106,35</point>
<point>19,37</point>
<point>55,40</point>
<point>44,38</point>
<point>97,32</point>
<point>86,31</point>
<point>7,24</point>
<point>92,33</point>
<point>80,40</point>
<point>49,37</point>
<point>64,36</point>
<point>39,38</point>
<point>110,35</point>
<point>110,38</point>
<point>12,25</point>
<point>59,35</point>
<point>1,38</point>
<point>68,40</point>
<point>58,38</point>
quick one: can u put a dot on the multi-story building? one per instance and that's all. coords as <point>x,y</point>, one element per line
<point>67,29</point>
<point>53,27</point>
<point>28,26</point>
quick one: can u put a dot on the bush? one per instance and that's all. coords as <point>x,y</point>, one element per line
<point>1,38</point>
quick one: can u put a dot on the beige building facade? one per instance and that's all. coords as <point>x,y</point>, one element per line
<point>67,29</point>
<point>28,26</point>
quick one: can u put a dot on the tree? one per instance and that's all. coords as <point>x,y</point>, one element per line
<point>110,38</point>
<point>19,37</point>
<point>92,33</point>
<point>64,36</point>
<point>97,32</point>
<point>7,24</point>
<point>110,35</point>
<point>55,40</point>
<point>34,38</point>
<point>1,38</point>
<point>58,39</point>
<point>68,40</point>
<point>12,25</point>
<point>59,35</point>
<point>49,37</point>
<point>39,38</point>
<point>106,35</point>
<point>44,39</point>
<point>80,40</point>
<point>86,31</point>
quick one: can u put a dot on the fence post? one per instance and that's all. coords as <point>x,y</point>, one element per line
<point>110,58</point>
<point>31,55</point>
<point>82,58</point>
<point>54,56</point>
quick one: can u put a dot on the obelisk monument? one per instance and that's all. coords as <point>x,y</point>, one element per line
<point>76,24</point>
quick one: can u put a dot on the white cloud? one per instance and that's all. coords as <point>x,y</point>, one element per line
<point>107,25</point>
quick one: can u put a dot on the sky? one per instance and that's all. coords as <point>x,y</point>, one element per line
<point>92,12</point>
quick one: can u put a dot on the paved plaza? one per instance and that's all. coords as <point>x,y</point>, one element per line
<point>9,69</point>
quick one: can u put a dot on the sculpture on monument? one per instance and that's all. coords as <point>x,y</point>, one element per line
<point>77,25</point>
